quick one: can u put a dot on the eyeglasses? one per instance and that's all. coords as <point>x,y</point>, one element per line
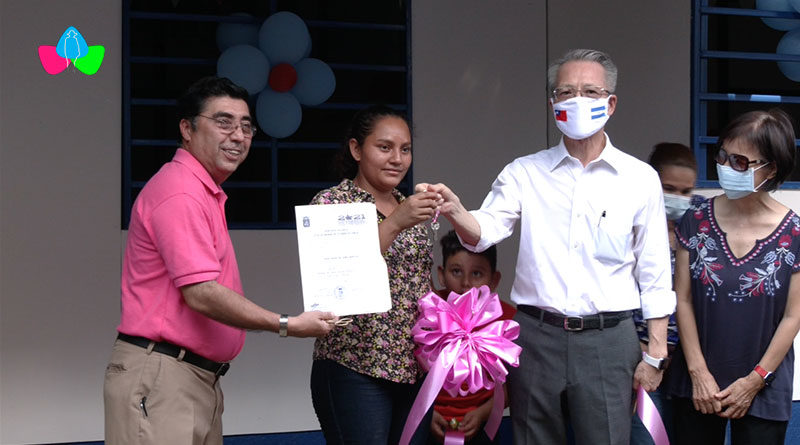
<point>590,91</point>
<point>227,126</point>
<point>739,163</point>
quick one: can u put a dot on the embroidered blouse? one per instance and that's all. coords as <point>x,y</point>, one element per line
<point>738,304</point>
<point>381,345</point>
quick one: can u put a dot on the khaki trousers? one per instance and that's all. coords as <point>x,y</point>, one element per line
<point>152,398</point>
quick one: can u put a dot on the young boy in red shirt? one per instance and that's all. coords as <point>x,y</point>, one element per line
<point>461,270</point>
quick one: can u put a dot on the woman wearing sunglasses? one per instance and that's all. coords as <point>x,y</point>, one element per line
<point>738,294</point>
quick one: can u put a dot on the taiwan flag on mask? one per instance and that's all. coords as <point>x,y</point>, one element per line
<point>561,115</point>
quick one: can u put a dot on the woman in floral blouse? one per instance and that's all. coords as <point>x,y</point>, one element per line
<point>364,378</point>
<point>738,293</point>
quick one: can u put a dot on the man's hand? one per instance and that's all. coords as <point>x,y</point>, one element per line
<point>311,324</point>
<point>447,200</point>
<point>647,377</point>
<point>450,207</point>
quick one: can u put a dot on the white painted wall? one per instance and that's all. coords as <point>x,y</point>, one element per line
<point>479,101</point>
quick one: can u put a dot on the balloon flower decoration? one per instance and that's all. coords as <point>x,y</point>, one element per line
<point>272,61</point>
<point>71,47</point>
<point>790,42</point>
<point>463,345</point>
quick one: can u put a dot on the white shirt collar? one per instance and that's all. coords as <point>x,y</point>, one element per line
<point>610,155</point>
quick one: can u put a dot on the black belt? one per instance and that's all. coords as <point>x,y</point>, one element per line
<point>219,369</point>
<point>598,321</point>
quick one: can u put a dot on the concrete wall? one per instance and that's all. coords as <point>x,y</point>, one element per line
<point>479,101</point>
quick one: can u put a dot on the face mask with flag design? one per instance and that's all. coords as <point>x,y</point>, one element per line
<point>580,117</point>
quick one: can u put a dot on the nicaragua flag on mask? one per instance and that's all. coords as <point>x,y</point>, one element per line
<point>597,112</point>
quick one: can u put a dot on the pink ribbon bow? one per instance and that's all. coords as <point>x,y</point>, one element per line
<point>463,345</point>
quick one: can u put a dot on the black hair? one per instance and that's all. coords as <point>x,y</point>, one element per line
<point>451,246</point>
<point>672,153</point>
<point>361,126</point>
<point>772,133</point>
<point>194,99</point>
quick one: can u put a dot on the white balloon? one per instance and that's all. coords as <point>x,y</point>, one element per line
<point>245,66</point>
<point>284,38</point>
<point>231,34</point>
<point>278,114</point>
<point>790,44</point>
<point>315,82</point>
<point>777,5</point>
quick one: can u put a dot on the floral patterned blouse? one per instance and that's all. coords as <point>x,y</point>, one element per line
<point>381,345</point>
<point>738,304</point>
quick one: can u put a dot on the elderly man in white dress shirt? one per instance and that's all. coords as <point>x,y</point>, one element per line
<point>593,247</point>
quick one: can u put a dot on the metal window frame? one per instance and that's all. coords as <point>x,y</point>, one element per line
<point>274,185</point>
<point>700,95</point>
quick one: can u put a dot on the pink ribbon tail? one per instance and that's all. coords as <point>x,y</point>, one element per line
<point>498,404</point>
<point>427,394</point>
<point>646,410</point>
<point>453,438</point>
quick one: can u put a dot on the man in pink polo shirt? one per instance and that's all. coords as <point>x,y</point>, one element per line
<point>183,314</point>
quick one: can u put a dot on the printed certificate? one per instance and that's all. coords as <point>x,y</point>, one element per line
<point>341,266</point>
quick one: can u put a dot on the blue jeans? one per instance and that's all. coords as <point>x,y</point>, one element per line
<point>355,408</point>
<point>639,434</point>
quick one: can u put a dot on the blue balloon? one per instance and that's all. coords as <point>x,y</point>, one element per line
<point>246,66</point>
<point>790,44</point>
<point>72,45</point>
<point>284,38</point>
<point>315,82</point>
<point>231,34</point>
<point>278,114</point>
<point>777,5</point>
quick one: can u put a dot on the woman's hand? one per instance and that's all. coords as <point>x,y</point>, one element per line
<point>448,201</point>
<point>413,210</point>
<point>450,206</point>
<point>704,388</point>
<point>737,397</point>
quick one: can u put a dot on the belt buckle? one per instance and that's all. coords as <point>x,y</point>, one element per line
<point>222,369</point>
<point>573,323</point>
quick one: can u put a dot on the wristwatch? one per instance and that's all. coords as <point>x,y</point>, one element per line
<point>283,325</point>
<point>658,363</point>
<point>766,375</point>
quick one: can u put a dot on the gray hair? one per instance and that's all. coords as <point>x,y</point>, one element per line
<point>589,55</point>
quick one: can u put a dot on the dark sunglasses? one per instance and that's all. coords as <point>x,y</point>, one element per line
<point>739,163</point>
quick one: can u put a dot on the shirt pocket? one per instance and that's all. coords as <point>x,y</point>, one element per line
<point>612,240</point>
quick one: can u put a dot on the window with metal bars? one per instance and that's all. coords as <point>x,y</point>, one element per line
<point>737,67</point>
<point>167,45</point>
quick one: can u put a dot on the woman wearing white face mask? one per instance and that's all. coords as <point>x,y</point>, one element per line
<point>677,170</point>
<point>738,293</point>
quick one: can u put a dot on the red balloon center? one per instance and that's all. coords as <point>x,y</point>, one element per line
<point>282,77</point>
